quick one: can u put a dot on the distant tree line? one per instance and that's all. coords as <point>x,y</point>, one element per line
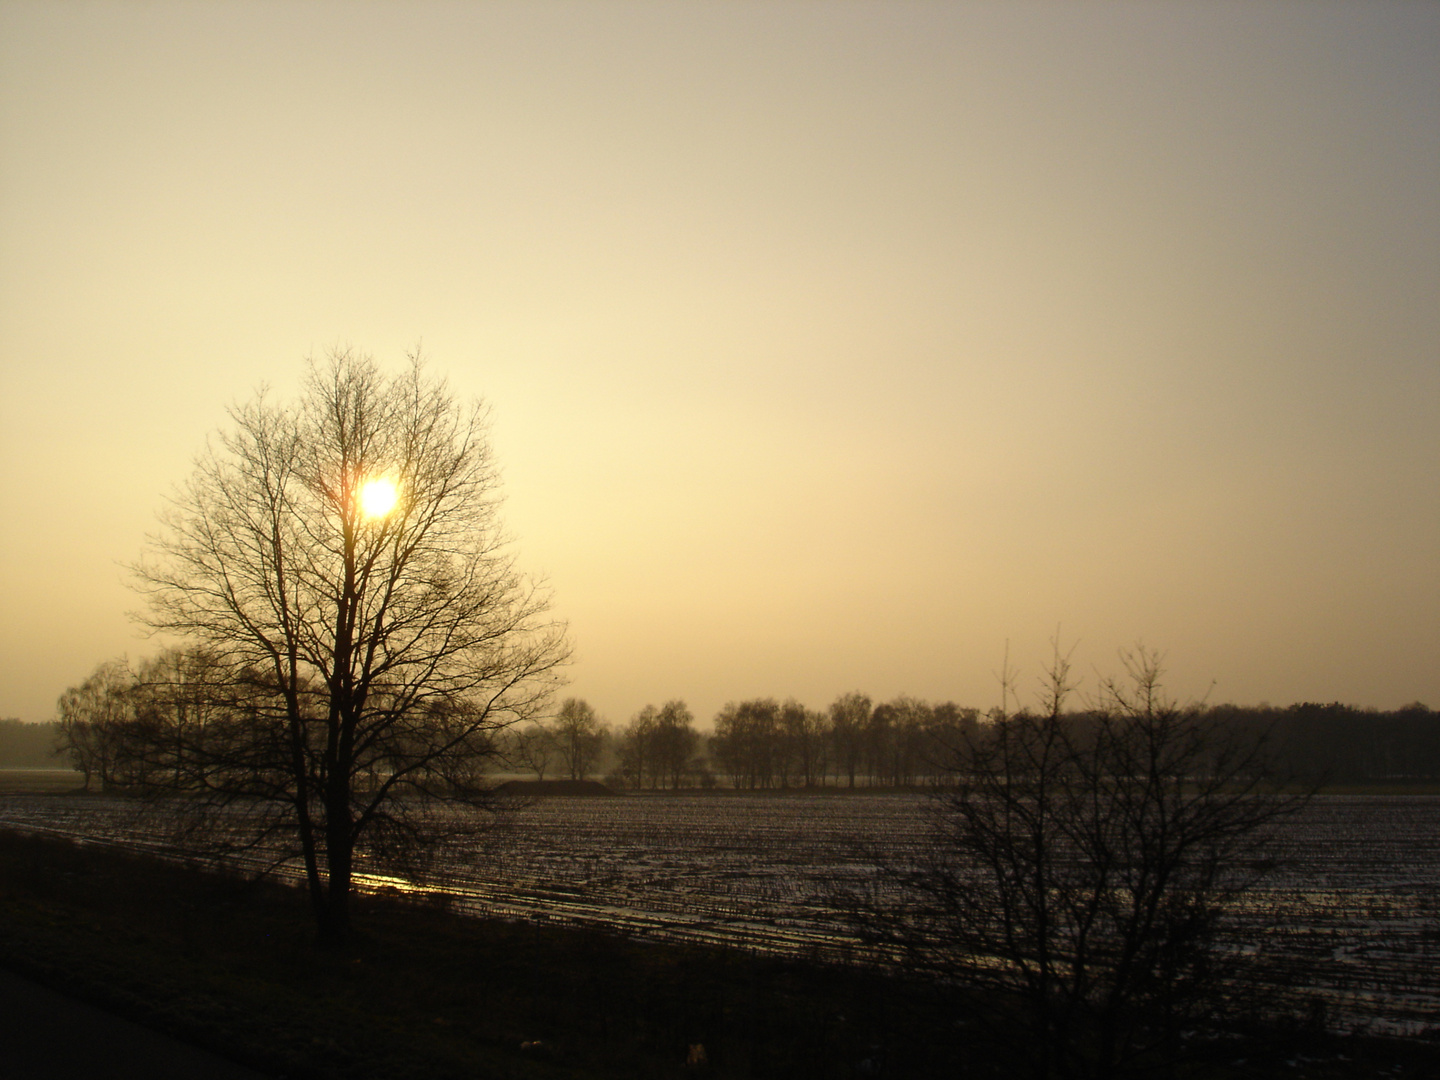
<point>109,726</point>
<point>761,744</point>
<point>1341,744</point>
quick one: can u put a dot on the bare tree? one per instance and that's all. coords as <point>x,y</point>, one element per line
<point>579,735</point>
<point>533,747</point>
<point>342,562</point>
<point>675,742</point>
<point>895,738</point>
<point>1081,874</point>
<point>638,757</point>
<point>93,719</point>
<point>950,726</point>
<point>804,735</point>
<point>175,696</point>
<point>745,741</point>
<point>849,718</point>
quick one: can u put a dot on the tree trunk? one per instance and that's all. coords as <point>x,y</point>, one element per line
<point>333,925</point>
<point>333,918</point>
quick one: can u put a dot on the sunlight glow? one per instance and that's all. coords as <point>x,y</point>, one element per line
<point>378,497</point>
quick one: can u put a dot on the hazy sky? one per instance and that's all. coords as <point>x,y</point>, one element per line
<point>830,345</point>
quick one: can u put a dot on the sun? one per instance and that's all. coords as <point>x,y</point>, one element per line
<point>378,497</point>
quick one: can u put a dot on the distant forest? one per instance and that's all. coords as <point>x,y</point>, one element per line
<point>1340,744</point>
<point>765,745</point>
<point>762,744</point>
<point>30,746</point>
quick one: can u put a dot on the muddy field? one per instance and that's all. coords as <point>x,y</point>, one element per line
<point>1350,926</point>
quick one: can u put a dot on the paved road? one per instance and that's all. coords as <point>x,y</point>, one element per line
<point>48,1036</point>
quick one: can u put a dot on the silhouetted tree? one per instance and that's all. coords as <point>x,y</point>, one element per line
<point>175,697</point>
<point>675,742</point>
<point>341,560</point>
<point>877,739</point>
<point>93,722</point>
<point>849,718</point>
<point>580,737</point>
<point>744,744</point>
<point>1078,880</point>
<point>638,752</point>
<point>804,733</point>
<point>532,747</point>
<point>895,740</point>
<point>947,726</point>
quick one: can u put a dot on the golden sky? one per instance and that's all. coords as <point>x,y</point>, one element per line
<point>830,346</point>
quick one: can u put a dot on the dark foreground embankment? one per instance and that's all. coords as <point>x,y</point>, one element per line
<point>230,967</point>
<point>45,1035</point>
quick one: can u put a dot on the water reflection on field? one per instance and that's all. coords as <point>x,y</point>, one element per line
<point>1352,920</point>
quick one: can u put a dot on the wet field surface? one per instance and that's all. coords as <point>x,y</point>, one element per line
<point>1350,924</point>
